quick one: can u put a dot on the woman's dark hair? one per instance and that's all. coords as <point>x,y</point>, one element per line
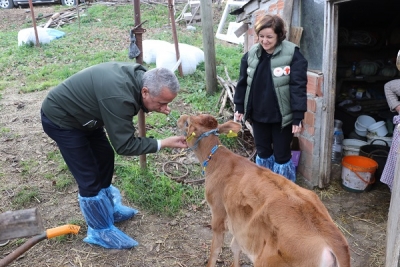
<point>275,23</point>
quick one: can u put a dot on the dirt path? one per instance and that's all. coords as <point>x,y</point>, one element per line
<point>181,241</point>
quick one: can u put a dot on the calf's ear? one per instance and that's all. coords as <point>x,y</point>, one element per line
<point>229,127</point>
<point>183,121</point>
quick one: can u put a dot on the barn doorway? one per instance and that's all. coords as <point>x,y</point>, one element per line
<point>368,42</point>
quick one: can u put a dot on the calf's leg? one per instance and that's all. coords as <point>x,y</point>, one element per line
<point>218,231</point>
<point>236,252</point>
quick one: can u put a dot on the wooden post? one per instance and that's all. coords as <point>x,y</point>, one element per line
<point>209,46</point>
<point>138,35</point>
<point>174,35</point>
<point>34,23</point>
<point>20,223</point>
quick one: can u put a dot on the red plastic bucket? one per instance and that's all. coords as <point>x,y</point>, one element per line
<point>358,173</point>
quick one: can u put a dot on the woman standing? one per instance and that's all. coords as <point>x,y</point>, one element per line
<point>392,92</point>
<point>271,93</point>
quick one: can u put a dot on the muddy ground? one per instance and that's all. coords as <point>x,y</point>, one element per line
<point>164,241</point>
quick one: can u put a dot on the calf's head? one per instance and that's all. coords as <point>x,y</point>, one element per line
<point>197,127</point>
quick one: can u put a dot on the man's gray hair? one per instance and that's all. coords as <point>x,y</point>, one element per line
<point>158,78</point>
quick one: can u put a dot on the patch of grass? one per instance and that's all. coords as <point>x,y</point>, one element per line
<point>56,157</point>
<point>19,241</point>
<point>63,181</point>
<point>202,102</point>
<point>155,192</point>
<point>4,130</point>
<point>29,166</point>
<point>25,196</point>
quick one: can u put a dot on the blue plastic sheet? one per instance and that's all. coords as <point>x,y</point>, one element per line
<point>54,34</point>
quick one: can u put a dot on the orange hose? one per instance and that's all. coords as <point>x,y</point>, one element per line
<point>62,230</point>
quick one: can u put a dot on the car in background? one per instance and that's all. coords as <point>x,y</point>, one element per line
<point>8,4</point>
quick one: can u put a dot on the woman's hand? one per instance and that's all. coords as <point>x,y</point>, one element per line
<point>174,142</point>
<point>238,116</point>
<point>297,128</point>
<point>398,109</point>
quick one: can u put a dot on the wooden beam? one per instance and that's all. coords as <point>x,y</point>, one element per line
<point>287,16</point>
<point>209,46</point>
<point>139,59</point>
<point>174,35</point>
<point>295,35</point>
<point>20,223</point>
<point>34,23</point>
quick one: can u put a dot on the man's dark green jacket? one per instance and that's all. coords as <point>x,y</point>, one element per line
<point>108,94</point>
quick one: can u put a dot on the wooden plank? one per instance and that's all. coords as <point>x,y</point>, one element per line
<point>20,223</point>
<point>326,113</point>
<point>209,46</point>
<point>287,16</point>
<point>295,35</point>
<point>393,226</point>
<point>241,30</point>
<point>251,6</point>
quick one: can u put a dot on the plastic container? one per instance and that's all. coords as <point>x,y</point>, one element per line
<point>378,153</point>
<point>337,142</point>
<point>358,173</point>
<point>379,128</point>
<point>352,146</point>
<point>380,140</point>
<point>361,131</point>
<point>365,120</point>
<point>354,135</point>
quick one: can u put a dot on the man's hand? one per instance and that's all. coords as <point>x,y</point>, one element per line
<point>174,142</point>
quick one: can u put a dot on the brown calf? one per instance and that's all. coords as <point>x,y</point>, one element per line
<point>273,221</point>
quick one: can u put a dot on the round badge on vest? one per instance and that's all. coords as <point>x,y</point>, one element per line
<point>278,72</point>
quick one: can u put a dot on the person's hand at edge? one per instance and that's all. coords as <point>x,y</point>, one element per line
<point>238,116</point>
<point>398,109</point>
<point>174,142</point>
<point>297,128</point>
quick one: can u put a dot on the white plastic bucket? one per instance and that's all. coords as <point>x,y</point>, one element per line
<point>380,140</point>
<point>379,128</point>
<point>352,146</point>
<point>365,120</point>
<point>358,173</point>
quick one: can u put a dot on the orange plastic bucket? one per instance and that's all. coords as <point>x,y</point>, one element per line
<point>358,173</point>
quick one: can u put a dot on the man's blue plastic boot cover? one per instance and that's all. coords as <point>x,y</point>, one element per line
<point>98,213</point>
<point>267,163</point>
<point>121,212</point>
